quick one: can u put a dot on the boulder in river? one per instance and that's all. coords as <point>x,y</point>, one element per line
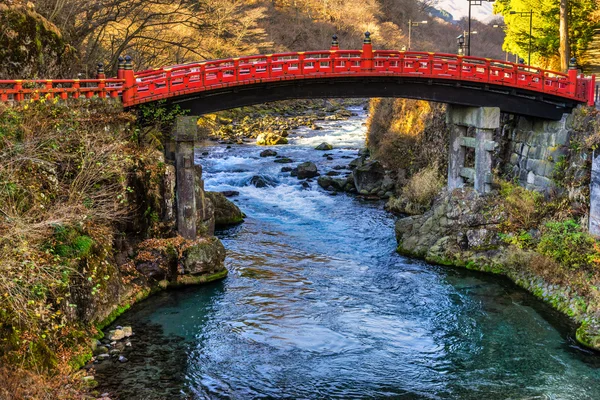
<point>307,170</point>
<point>324,146</point>
<point>270,139</point>
<point>369,177</point>
<point>268,153</point>
<point>230,193</point>
<point>284,160</point>
<point>332,184</point>
<point>226,213</point>
<point>286,169</point>
<point>357,162</point>
<point>260,181</point>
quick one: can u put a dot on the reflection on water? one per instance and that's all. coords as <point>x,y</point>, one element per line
<point>318,305</point>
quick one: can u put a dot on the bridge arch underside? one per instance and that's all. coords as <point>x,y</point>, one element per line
<point>509,100</point>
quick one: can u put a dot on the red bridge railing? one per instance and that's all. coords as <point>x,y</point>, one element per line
<point>163,83</point>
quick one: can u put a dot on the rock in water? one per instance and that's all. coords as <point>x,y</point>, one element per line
<point>205,256</point>
<point>268,153</point>
<point>324,146</point>
<point>226,213</point>
<point>270,139</point>
<point>307,170</point>
<point>357,162</point>
<point>369,177</point>
<point>127,331</point>
<point>116,334</point>
<point>230,193</point>
<point>325,182</point>
<point>284,160</point>
<point>259,182</point>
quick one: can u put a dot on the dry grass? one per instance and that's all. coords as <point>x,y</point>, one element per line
<point>421,189</point>
<point>63,187</point>
<point>18,384</point>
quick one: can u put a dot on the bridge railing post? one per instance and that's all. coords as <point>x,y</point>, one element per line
<point>101,85</point>
<point>335,46</point>
<point>18,87</point>
<point>120,67</point>
<point>130,86</point>
<point>49,95</point>
<point>367,53</point>
<point>591,95</point>
<point>301,62</point>
<point>573,77</point>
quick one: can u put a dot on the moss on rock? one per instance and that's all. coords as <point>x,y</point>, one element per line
<point>30,45</point>
<point>225,211</point>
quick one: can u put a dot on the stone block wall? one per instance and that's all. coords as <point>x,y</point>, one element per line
<point>535,147</point>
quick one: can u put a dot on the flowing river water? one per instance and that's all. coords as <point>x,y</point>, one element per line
<point>318,305</point>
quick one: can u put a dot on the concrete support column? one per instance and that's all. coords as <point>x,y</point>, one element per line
<point>185,134</point>
<point>483,160</point>
<point>456,158</point>
<point>485,120</point>
<point>594,224</point>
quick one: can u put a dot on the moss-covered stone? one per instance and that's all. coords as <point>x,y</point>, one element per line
<point>205,256</point>
<point>225,212</point>
<point>30,45</point>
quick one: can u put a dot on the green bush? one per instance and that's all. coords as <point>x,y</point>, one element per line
<point>522,239</point>
<point>524,208</point>
<point>568,244</point>
<point>70,243</point>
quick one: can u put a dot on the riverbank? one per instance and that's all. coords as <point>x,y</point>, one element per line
<point>538,240</point>
<point>464,229</point>
<point>87,229</point>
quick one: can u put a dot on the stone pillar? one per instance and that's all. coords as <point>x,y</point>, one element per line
<point>485,120</point>
<point>483,160</point>
<point>185,134</point>
<point>594,224</point>
<point>456,158</point>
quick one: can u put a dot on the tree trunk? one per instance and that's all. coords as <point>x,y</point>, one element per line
<point>564,36</point>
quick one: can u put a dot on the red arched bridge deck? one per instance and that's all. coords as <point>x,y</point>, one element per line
<point>221,84</point>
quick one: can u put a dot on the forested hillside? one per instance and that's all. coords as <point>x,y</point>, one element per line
<point>165,32</point>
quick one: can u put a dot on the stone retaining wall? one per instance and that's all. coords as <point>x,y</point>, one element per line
<point>535,147</point>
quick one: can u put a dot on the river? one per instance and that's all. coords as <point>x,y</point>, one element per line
<point>318,305</point>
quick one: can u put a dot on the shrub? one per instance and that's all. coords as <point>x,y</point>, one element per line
<point>522,239</point>
<point>421,189</point>
<point>566,243</point>
<point>524,208</point>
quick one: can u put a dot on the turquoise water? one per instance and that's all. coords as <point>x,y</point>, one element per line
<point>318,305</point>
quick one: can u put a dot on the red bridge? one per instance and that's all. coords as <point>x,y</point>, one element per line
<point>215,85</point>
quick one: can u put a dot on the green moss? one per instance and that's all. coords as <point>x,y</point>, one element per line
<point>587,334</point>
<point>80,360</point>
<point>435,259</point>
<point>112,316</point>
<point>185,280</point>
